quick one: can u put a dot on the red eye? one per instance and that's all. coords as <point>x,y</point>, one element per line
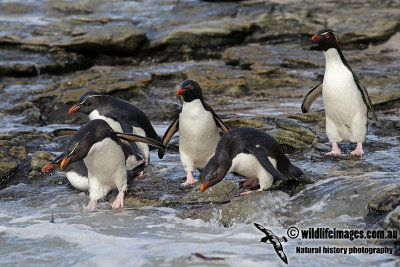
<point>327,35</point>
<point>86,104</point>
<point>76,151</point>
<point>191,87</point>
<point>215,176</point>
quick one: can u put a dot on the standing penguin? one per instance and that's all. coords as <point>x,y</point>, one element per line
<point>132,154</point>
<point>100,148</point>
<point>198,130</point>
<point>252,153</point>
<point>121,115</point>
<point>345,99</point>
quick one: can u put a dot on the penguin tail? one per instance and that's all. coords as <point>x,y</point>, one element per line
<point>161,153</point>
<point>294,172</point>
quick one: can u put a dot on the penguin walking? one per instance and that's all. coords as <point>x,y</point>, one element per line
<point>100,148</point>
<point>252,153</point>
<point>121,115</point>
<point>133,158</point>
<point>76,172</point>
<point>346,101</point>
<point>198,125</point>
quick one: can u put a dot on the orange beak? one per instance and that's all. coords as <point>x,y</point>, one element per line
<point>181,91</point>
<point>204,186</point>
<point>316,38</point>
<point>48,167</point>
<point>64,162</point>
<point>73,109</point>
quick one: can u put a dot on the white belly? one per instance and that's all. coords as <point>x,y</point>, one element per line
<point>78,181</point>
<point>248,165</point>
<point>198,135</point>
<point>345,110</point>
<point>106,168</point>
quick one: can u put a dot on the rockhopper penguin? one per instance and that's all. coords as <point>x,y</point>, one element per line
<point>252,153</point>
<point>121,115</point>
<point>99,146</point>
<point>133,158</point>
<point>77,174</point>
<point>197,124</point>
<point>345,99</point>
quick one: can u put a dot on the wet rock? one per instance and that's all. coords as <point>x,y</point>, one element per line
<point>71,7</point>
<point>40,158</point>
<point>210,35</point>
<point>7,170</point>
<point>18,152</point>
<point>222,192</point>
<point>392,220</point>
<point>241,122</point>
<point>379,29</point>
<point>132,201</point>
<point>110,39</point>
<point>279,24</point>
<point>385,201</point>
<point>386,101</point>
<point>241,209</point>
<point>293,134</point>
<point>21,63</point>
<point>307,117</point>
<point>255,55</point>
<point>219,80</point>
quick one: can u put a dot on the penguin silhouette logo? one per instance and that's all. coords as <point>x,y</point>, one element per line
<point>274,240</point>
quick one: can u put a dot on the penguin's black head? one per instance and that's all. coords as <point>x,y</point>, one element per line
<point>86,103</point>
<point>213,173</point>
<point>190,90</point>
<point>326,39</point>
<point>80,144</point>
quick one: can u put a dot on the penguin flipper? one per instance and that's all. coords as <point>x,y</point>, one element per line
<point>139,138</point>
<point>365,97</point>
<point>264,161</point>
<point>220,123</point>
<point>172,129</point>
<point>128,129</point>
<point>311,96</point>
<point>64,132</point>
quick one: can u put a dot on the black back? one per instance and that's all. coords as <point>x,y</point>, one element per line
<point>237,141</point>
<point>241,140</point>
<point>116,109</point>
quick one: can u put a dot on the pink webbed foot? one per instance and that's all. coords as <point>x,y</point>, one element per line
<point>259,191</point>
<point>245,193</point>
<point>189,179</point>
<point>358,151</point>
<point>335,150</point>
<point>119,200</point>
<point>140,174</point>
<point>92,205</point>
